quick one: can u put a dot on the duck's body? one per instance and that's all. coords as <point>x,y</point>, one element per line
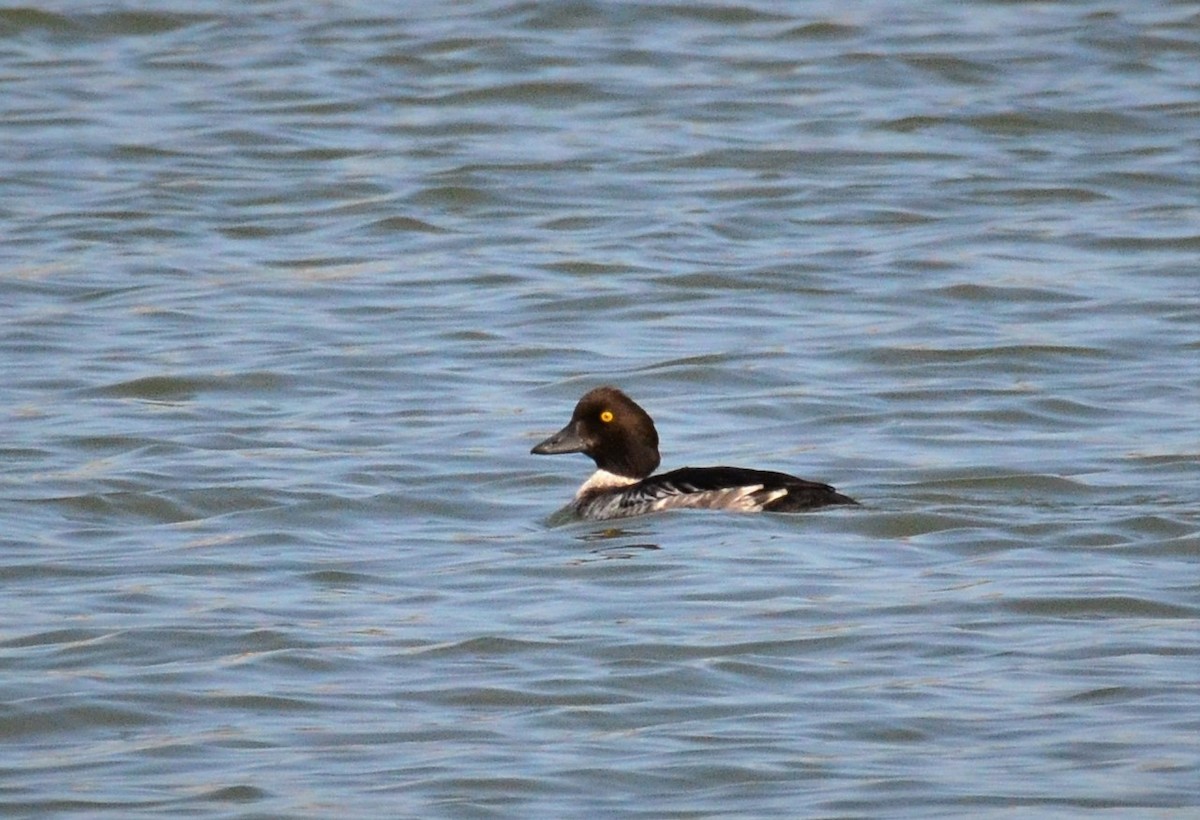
<point>620,437</point>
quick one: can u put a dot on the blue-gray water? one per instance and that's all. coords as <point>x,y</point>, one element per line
<point>288,290</point>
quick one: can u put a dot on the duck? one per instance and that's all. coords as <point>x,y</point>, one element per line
<point>620,437</point>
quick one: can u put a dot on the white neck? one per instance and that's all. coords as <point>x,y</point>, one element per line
<point>604,480</point>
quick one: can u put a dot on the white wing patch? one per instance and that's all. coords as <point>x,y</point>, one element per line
<point>656,497</point>
<point>738,499</point>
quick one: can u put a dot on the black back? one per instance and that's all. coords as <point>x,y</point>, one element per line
<point>801,494</point>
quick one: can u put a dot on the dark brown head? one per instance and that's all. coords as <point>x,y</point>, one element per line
<point>610,427</point>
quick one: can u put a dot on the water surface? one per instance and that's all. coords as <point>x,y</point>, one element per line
<point>288,290</point>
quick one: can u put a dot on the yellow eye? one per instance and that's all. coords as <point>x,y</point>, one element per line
<point>606,416</point>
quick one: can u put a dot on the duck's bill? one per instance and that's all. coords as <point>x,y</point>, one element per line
<point>566,440</point>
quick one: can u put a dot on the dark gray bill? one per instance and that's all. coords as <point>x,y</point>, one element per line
<point>566,440</point>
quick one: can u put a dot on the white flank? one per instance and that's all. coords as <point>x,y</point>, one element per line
<point>737,499</point>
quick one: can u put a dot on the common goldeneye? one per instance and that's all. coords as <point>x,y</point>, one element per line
<point>620,437</point>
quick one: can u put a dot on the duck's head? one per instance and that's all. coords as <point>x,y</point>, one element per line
<point>611,428</point>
